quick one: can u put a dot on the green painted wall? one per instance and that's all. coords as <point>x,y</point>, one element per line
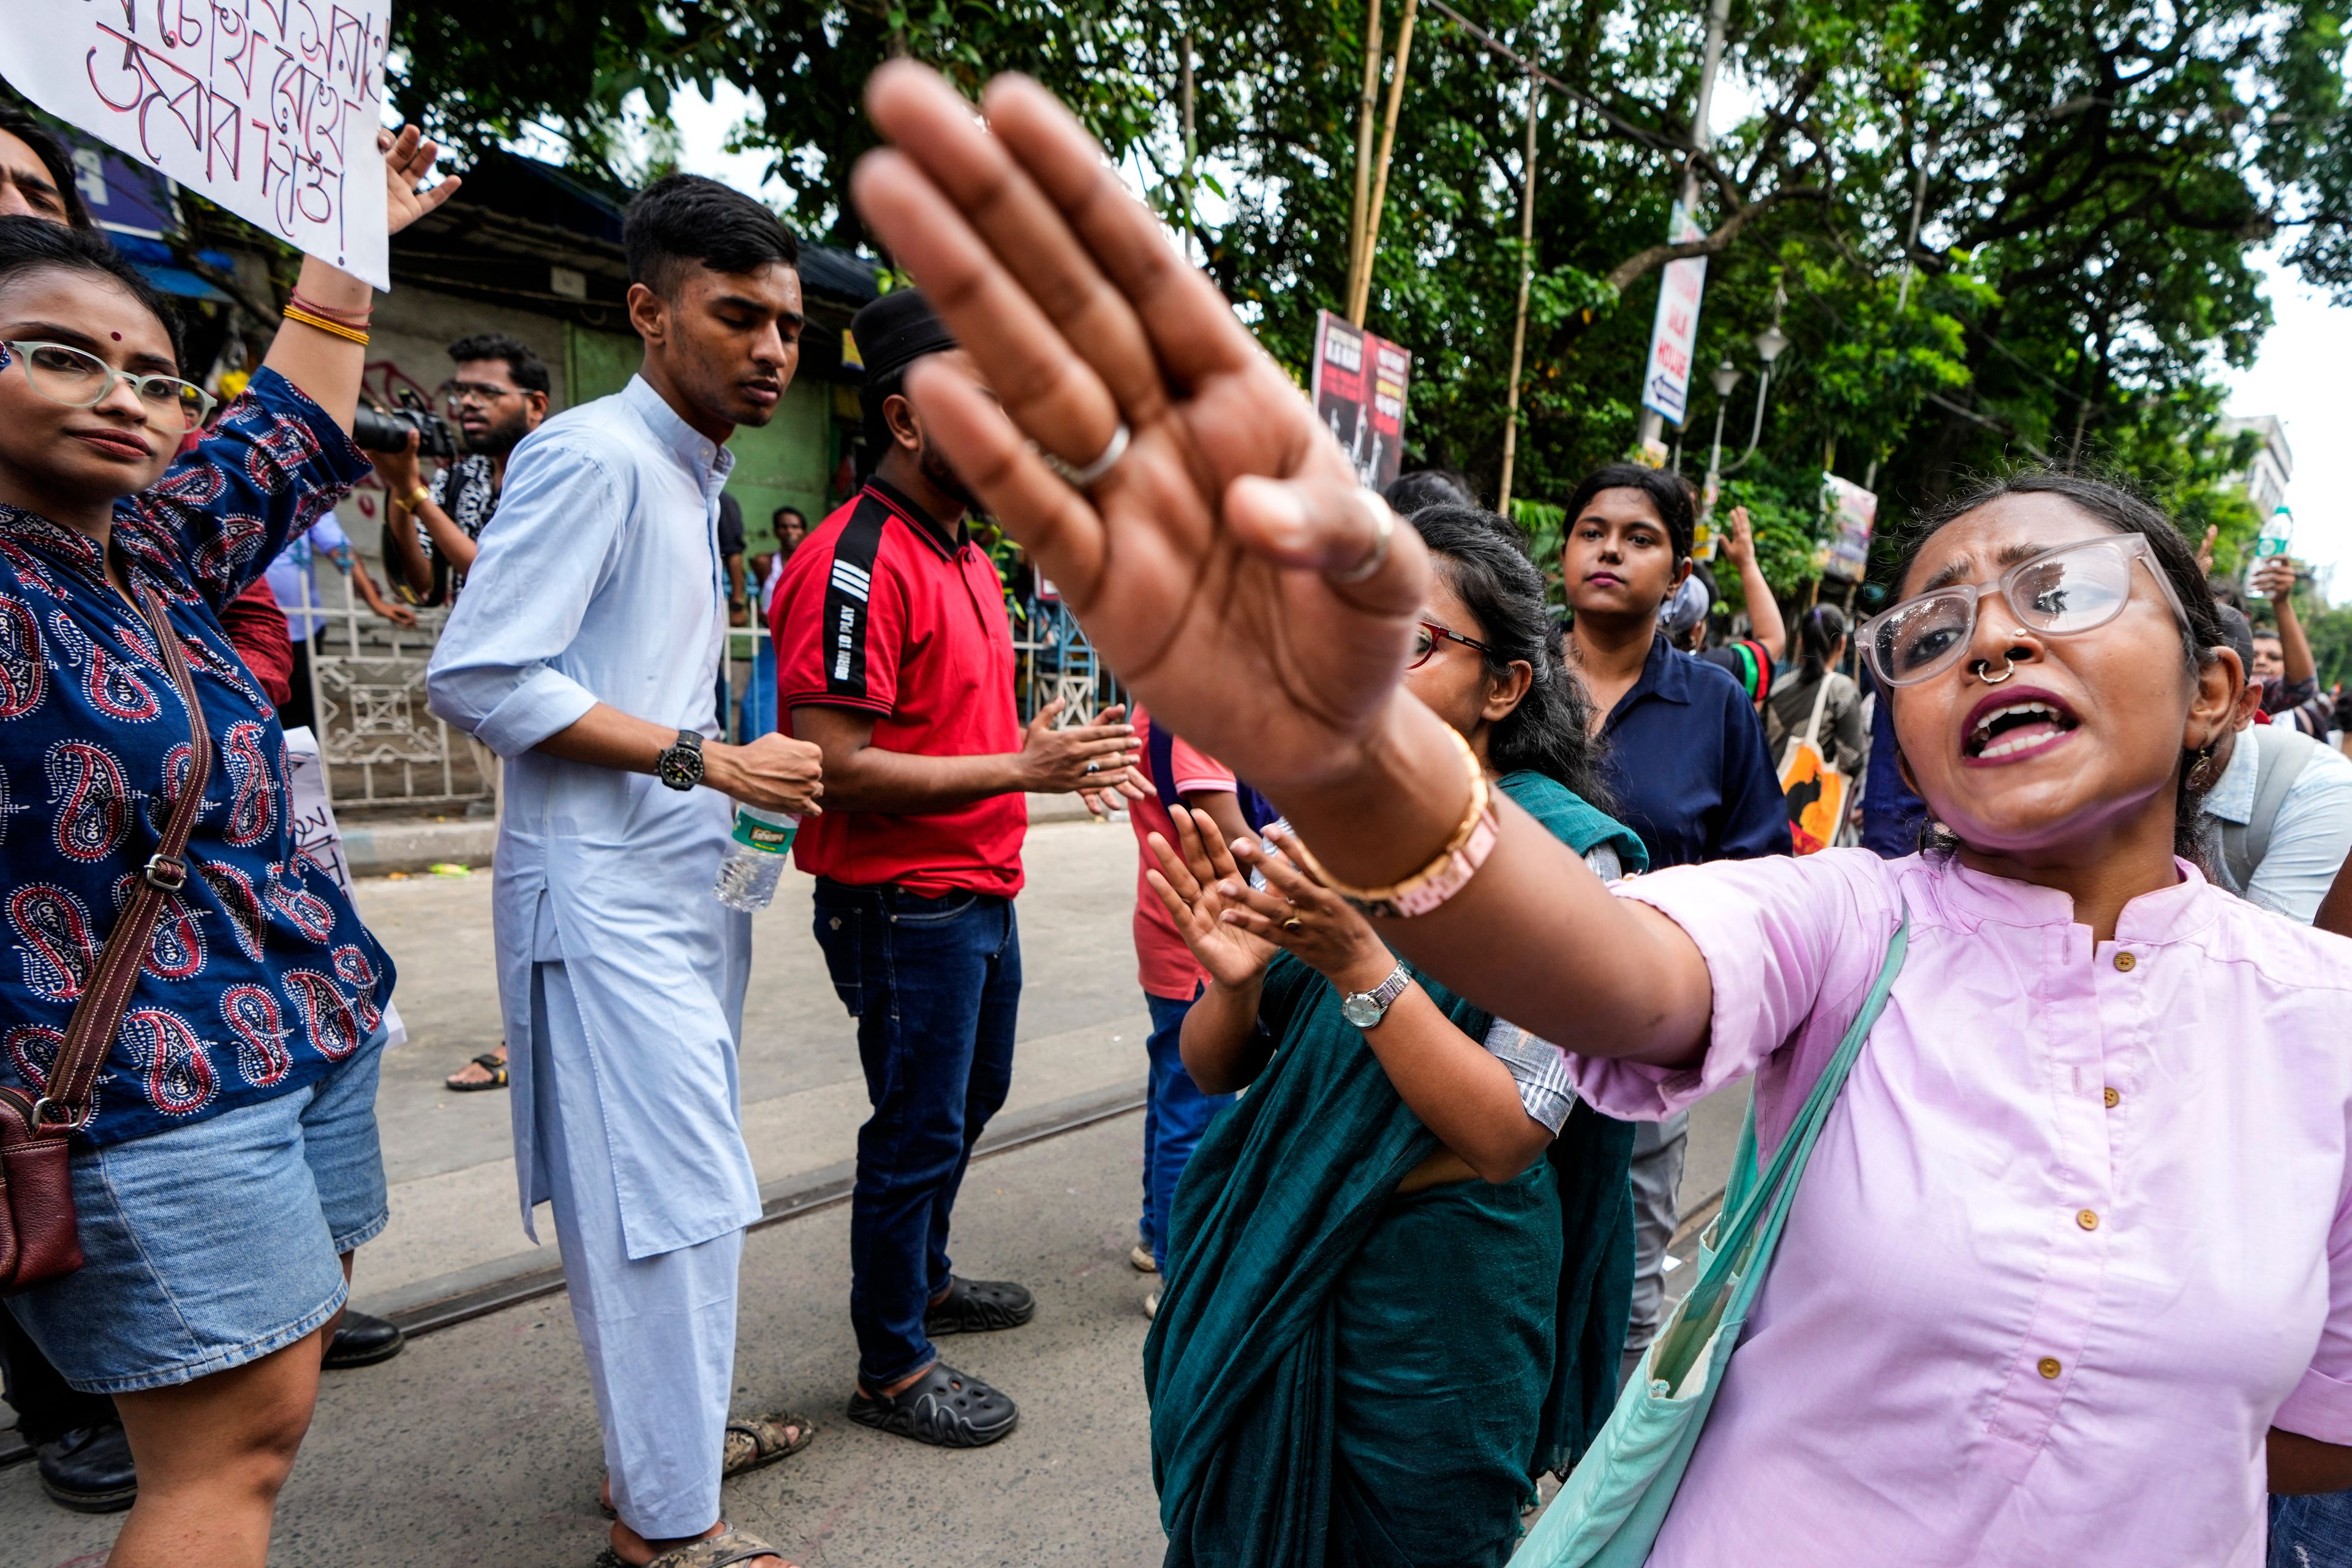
<point>786,462</point>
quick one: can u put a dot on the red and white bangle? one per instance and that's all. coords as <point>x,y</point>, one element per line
<point>1464,852</point>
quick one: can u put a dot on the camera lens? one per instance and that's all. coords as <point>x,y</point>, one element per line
<point>379,432</point>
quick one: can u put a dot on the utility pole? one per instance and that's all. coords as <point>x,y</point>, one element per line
<point>1359,301</point>
<point>1718,17</point>
<point>1526,271</point>
<point>1369,100</point>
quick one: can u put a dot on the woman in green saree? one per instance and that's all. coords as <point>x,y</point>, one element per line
<point>1400,1265</point>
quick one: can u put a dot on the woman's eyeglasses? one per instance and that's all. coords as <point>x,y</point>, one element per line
<point>1427,634</point>
<point>81,379</point>
<point>2061,593</point>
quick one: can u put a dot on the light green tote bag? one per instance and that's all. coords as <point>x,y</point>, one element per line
<point>1609,1512</point>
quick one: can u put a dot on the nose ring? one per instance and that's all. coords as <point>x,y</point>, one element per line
<point>2008,669</point>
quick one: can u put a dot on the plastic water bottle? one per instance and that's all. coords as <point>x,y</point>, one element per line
<point>748,877</point>
<point>2275,539</point>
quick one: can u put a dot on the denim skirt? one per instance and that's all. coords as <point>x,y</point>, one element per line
<point>212,1245</point>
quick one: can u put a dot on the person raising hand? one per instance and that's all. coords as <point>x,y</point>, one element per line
<point>1981,1346</point>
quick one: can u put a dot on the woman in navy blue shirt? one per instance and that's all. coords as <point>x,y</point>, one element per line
<point>1684,755</point>
<point>228,1164</point>
<point>1685,752</point>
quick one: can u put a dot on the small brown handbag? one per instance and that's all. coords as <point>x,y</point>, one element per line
<point>37,1235</point>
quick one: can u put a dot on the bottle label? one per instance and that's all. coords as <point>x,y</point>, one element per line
<point>775,838</point>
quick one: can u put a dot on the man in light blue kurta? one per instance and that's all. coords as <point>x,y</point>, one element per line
<point>586,652</point>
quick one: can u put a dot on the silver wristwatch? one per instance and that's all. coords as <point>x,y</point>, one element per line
<point>1365,1009</point>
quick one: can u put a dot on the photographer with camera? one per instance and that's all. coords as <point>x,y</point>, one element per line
<point>497,396</point>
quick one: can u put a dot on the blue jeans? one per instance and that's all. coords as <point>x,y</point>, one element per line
<point>2312,1531</point>
<point>935,986</point>
<point>1175,1114</point>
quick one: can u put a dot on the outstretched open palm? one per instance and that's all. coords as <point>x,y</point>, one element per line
<point>1187,884</point>
<point>1203,564</point>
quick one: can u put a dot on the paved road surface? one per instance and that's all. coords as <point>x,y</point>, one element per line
<point>449,1157</point>
<point>477,1448</point>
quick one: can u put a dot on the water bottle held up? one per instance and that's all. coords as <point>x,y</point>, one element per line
<point>755,861</point>
<point>2272,542</point>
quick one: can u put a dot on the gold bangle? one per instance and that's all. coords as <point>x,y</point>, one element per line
<point>415,501</point>
<point>295,314</point>
<point>1438,865</point>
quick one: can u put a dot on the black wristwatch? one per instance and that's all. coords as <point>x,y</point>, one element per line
<point>680,766</point>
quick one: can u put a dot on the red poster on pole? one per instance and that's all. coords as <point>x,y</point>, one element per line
<point>1358,393</point>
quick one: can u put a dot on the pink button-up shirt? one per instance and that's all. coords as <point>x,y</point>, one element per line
<point>2073,1237</point>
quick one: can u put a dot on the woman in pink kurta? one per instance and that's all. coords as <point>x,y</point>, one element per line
<point>2073,1239</point>
<point>2062,1284</point>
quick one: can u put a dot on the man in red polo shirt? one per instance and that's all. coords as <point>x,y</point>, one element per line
<point>893,656</point>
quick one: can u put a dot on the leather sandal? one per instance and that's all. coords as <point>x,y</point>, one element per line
<point>752,1441</point>
<point>943,1406</point>
<point>756,1440</point>
<point>729,1546</point>
<point>978,1307</point>
<point>488,1062</point>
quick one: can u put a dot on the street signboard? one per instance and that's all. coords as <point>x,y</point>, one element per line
<point>1851,512</point>
<point>1358,389</point>
<point>267,107</point>
<point>1674,334</point>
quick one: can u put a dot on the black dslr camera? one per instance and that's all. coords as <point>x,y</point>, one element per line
<point>386,430</point>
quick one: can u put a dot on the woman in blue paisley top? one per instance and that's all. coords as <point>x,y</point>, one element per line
<point>228,1164</point>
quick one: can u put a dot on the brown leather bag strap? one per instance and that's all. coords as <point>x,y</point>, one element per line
<point>98,1015</point>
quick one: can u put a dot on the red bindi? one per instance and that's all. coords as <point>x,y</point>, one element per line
<point>116,336</point>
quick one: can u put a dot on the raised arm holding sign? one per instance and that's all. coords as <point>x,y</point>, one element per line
<point>269,108</point>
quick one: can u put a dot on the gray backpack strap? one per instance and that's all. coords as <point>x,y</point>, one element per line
<point>2279,758</point>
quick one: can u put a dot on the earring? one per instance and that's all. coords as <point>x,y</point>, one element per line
<point>2200,771</point>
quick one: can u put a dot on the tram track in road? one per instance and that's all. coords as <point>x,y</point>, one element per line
<point>793,1197</point>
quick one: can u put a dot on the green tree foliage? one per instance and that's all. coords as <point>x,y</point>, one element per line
<point>2089,182</point>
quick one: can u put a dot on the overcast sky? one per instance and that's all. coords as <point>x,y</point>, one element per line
<point>2301,376</point>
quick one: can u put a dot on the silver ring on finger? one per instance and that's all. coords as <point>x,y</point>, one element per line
<point>1094,767</point>
<point>1384,530</point>
<point>1092,474</point>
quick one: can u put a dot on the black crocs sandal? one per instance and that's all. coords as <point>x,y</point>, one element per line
<point>943,1406</point>
<point>978,1306</point>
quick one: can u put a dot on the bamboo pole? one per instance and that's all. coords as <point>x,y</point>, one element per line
<point>1360,300</point>
<point>1519,330</point>
<point>1191,224</point>
<point>1369,101</point>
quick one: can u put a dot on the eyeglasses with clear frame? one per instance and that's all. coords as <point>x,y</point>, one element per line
<point>1427,634</point>
<point>459,392</point>
<point>78,379</point>
<point>2061,592</point>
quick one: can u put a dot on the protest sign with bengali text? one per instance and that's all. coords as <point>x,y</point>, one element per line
<point>267,107</point>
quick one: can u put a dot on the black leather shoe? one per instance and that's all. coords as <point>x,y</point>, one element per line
<point>362,1341</point>
<point>89,1469</point>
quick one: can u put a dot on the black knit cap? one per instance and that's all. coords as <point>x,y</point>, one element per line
<point>895,330</point>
